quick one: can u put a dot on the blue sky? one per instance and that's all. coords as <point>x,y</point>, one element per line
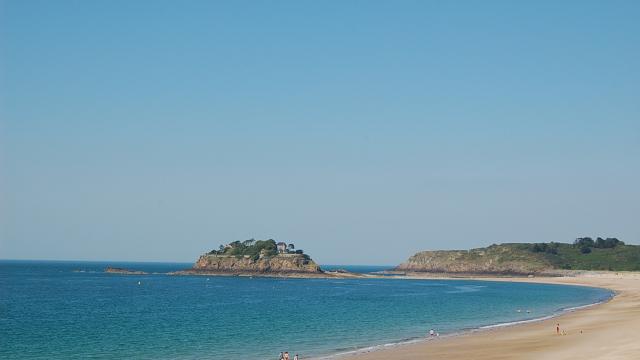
<point>363,131</point>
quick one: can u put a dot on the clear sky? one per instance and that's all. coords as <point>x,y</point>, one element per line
<point>362,131</point>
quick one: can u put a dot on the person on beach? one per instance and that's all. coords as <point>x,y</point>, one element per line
<point>558,329</point>
<point>295,357</point>
<point>281,356</point>
<point>286,355</point>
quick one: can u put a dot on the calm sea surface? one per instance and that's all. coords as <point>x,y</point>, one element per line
<point>73,310</point>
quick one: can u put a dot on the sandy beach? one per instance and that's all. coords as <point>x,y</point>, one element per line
<point>605,331</point>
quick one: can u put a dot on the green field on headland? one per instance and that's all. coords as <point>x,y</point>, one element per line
<point>589,254</point>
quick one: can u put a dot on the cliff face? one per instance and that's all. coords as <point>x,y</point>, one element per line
<point>496,259</point>
<point>283,263</point>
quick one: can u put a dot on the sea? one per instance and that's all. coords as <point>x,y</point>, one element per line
<point>74,310</point>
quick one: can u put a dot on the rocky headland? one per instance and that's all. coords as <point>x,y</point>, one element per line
<point>550,259</point>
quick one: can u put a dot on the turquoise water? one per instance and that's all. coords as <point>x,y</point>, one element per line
<point>67,310</point>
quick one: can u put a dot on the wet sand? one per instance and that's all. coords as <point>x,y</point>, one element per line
<point>606,331</point>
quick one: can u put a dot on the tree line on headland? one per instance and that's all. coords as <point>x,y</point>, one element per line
<point>584,244</point>
<point>585,253</point>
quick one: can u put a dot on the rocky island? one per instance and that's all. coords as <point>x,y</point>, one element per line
<point>255,257</point>
<point>529,258</point>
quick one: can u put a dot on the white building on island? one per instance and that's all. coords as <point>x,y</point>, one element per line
<point>284,248</point>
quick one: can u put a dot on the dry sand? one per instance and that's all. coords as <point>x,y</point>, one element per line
<point>607,331</point>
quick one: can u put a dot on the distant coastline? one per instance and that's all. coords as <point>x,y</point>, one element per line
<point>268,258</point>
<point>518,259</point>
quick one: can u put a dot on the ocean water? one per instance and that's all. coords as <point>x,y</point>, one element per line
<point>362,269</point>
<point>73,310</point>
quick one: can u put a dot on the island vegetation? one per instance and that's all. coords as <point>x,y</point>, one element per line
<point>256,249</point>
<point>255,257</point>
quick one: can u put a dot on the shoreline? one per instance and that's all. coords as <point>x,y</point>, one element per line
<point>356,353</point>
<point>594,331</point>
<point>586,326</point>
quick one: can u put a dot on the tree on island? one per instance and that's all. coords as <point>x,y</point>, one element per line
<point>252,248</point>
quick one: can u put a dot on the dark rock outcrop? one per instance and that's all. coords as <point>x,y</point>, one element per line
<point>122,271</point>
<point>280,264</point>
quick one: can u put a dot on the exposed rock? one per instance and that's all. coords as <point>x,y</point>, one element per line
<point>122,271</point>
<point>496,259</point>
<point>282,263</point>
